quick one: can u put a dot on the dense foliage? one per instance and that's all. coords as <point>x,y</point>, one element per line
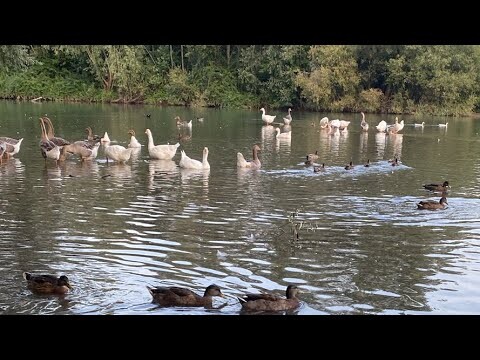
<point>441,80</point>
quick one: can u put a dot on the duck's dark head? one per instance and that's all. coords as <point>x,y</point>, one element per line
<point>443,200</point>
<point>445,184</point>
<point>63,281</point>
<point>292,291</point>
<point>213,290</point>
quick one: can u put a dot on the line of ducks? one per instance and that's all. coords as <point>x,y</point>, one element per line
<point>177,296</point>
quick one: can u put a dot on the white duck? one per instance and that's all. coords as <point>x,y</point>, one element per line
<point>254,164</point>
<point>187,163</point>
<point>116,152</point>
<point>288,119</point>
<point>382,126</point>
<point>419,125</point>
<point>285,135</point>
<point>267,118</point>
<point>133,140</point>
<point>160,152</point>
<point>364,124</point>
<point>443,125</point>
<point>335,124</point>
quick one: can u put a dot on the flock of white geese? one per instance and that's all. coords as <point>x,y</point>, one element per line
<point>59,149</point>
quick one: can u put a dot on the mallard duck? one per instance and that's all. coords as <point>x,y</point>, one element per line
<point>47,284</point>
<point>288,119</point>
<point>254,164</point>
<point>312,157</point>
<point>160,152</point>
<point>268,119</point>
<point>188,163</point>
<point>432,205</point>
<point>133,140</point>
<point>319,168</point>
<point>437,187</point>
<point>269,302</point>
<point>349,166</point>
<point>177,296</point>
<point>364,124</point>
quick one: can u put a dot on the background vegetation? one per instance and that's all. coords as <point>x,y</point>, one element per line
<point>440,80</point>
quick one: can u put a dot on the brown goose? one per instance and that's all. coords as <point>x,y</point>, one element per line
<point>47,284</point>
<point>269,302</point>
<point>432,205</point>
<point>254,164</point>
<point>48,148</point>
<point>177,296</point>
<point>319,168</point>
<point>51,134</point>
<point>311,158</point>
<point>349,166</point>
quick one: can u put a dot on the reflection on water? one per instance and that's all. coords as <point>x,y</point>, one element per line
<point>363,248</point>
<point>380,142</point>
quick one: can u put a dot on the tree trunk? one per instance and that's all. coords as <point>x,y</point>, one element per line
<point>228,55</point>
<point>181,54</point>
<point>171,56</point>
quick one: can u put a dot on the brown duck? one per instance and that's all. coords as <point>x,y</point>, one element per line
<point>47,284</point>
<point>269,302</point>
<point>432,205</point>
<point>319,168</point>
<point>177,296</point>
<point>437,187</point>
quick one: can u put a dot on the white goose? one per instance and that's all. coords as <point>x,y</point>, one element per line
<point>285,135</point>
<point>443,125</point>
<point>187,163</point>
<point>12,146</point>
<point>398,126</point>
<point>382,126</point>
<point>117,152</point>
<point>324,122</point>
<point>105,139</point>
<point>364,124</point>
<point>133,140</point>
<point>267,118</point>
<point>254,164</point>
<point>160,152</point>
<point>288,119</point>
<point>419,125</point>
<point>344,124</point>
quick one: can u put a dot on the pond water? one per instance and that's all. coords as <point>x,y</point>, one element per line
<point>363,247</point>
